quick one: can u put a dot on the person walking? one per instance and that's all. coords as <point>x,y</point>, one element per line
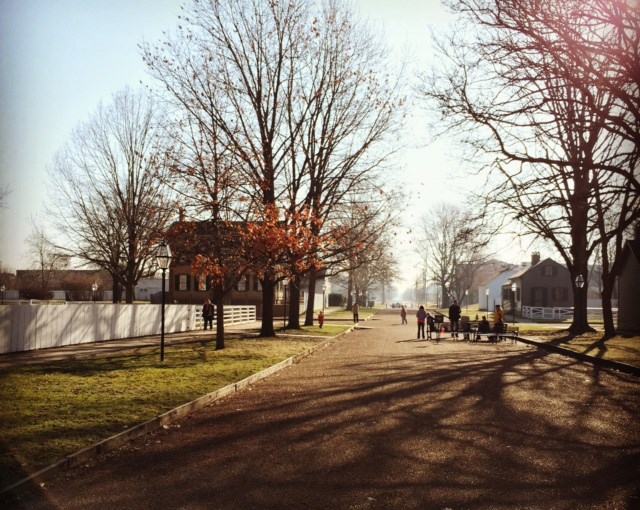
<point>207,314</point>
<point>454,316</point>
<point>403,314</point>
<point>422,317</point>
<point>355,309</point>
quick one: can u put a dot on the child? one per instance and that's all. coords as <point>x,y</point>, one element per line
<point>321,318</point>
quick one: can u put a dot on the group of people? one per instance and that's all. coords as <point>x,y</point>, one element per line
<point>455,313</point>
<point>424,319</point>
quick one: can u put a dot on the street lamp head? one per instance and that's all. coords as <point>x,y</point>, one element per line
<point>514,286</point>
<point>487,292</point>
<point>2,288</point>
<point>94,287</point>
<point>466,292</point>
<point>163,255</point>
<point>579,281</point>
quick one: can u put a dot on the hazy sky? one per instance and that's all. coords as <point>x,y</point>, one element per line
<point>60,58</point>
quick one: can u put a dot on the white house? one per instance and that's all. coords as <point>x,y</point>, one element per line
<point>490,291</point>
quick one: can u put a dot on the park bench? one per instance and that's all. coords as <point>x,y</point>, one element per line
<point>507,332</point>
<point>491,336</point>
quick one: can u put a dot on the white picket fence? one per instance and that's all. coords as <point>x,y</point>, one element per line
<point>28,327</point>
<point>561,314</point>
<point>232,315</point>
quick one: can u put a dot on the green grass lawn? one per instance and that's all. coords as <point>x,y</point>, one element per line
<point>53,410</point>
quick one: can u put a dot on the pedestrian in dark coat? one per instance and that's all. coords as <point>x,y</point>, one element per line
<point>207,314</point>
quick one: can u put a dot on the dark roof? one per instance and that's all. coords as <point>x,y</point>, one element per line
<point>520,274</point>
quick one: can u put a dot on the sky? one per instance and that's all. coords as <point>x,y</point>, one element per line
<point>60,58</point>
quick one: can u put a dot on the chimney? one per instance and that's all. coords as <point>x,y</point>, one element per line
<point>535,258</point>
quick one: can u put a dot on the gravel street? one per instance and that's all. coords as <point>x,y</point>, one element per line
<point>381,420</point>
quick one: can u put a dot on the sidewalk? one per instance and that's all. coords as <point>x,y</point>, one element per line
<point>380,420</point>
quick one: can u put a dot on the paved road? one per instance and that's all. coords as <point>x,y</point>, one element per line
<point>380,420</point>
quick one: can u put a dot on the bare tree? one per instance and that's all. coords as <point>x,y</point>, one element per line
<point>453,244</point>
<point>44,256</point>
<point>519,93</point>
<point>243,54</point>
<point>360,242</point>
<point>350,106</point>
<point>109,205</point>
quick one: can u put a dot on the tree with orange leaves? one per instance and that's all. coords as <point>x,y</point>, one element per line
<point>301,102</point>
<point>276,246</point>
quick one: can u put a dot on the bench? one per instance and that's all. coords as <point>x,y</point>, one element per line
<point>491,336</point>
<point>507,332</point>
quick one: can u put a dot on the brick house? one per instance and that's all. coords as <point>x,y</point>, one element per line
<point>186,287</point>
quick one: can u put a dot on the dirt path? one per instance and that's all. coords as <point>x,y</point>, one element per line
<point>379,420</point>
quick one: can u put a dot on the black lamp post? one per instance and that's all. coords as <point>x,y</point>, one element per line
<point>2,289</point>
<point>324,290</point>
<point>513,302</point>
<point>94,288</point>
<point>487,292</point>
<point>466,297</point>
<point>163,257</point>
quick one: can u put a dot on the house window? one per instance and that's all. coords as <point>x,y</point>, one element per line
<point>256,283</point>
<point>559,294</point>
<point>243,283</point>
<point>547,271</point>
<point>183,282</point>
<point>202,282</point>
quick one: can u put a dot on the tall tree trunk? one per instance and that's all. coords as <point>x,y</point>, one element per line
<point>267,330</point>
<point>579,255</point>
<point>129,294</point>
<point>115,284</point>
<point>444,301</point>
<point>294,295</point>
<point>311,295</point>
<point>218,296</point>
<point>580,322</point>
<point>607,311</point>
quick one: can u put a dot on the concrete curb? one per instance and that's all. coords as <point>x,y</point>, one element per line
<point>162,420</point>
<point>600,362</point>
